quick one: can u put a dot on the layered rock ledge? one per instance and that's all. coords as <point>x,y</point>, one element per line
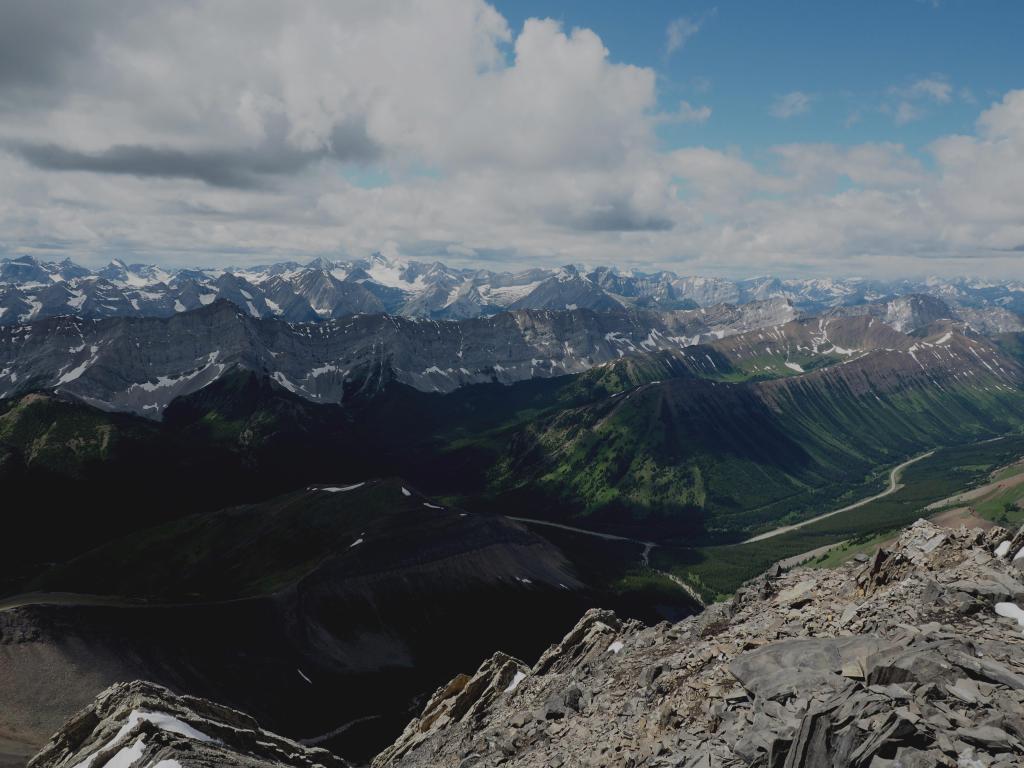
<point>912,658</point>
<point>145,725</point>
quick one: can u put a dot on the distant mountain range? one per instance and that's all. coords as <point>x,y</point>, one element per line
<point>630,418</point>
<point>140,365</point>
<point>324,289</point>
<point>326,499</point>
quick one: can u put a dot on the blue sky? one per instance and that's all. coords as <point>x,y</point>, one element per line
<point>826,137</point>
<point>847,56</point>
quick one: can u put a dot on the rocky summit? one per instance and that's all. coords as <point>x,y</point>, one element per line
<point>911,658</point>
<point>142,724</point>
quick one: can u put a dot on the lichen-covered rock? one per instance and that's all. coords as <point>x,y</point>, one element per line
<point>142,724</point>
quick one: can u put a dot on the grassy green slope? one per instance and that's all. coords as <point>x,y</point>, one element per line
<point>720,570</point>
<point>690,456</point>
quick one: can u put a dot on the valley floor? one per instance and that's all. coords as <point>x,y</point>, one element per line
<point>894,476</point>
<point>932,484</point>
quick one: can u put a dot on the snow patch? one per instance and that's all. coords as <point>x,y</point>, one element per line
<point>75,373</point>
<point>327,368</point>
<point>516,680</point>
<point>342,488</point>
<point>615,647</point>
<point>1011,611</point>
<point>127,756</point>
<point>281,379</point>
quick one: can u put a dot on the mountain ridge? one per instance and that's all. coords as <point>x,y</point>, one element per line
<point>324,288</point>
<point>140,364</point>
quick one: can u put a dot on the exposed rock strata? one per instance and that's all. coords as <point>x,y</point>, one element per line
<point>142,724</point>
<point>896,660</point>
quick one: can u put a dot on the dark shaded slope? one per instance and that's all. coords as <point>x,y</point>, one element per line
<point>276,608</point>
<point>74,476</point>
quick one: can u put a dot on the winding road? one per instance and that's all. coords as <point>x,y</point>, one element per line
<point>647,545</point>
<point>645,555</point>
<point>894,477</point>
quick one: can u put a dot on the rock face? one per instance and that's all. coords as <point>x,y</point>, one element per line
<point>911,658</point>
<point>141,364</point>
<point>143,724</point>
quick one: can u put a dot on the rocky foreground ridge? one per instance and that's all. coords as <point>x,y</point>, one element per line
<point>142,724</point>
<point>911,658</point>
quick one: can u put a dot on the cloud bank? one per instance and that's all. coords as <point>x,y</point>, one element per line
<point>237,131</point>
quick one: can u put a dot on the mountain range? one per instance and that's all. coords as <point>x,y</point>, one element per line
<point>666,424</point>
<point>272,511</point>
<point>31,290</point>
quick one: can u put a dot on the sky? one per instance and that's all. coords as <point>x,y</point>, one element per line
<point>876,138</point>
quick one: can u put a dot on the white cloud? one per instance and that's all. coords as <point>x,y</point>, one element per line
<point>420,82</point>
<point>791,104</point>
<point>936,89</point>
<point>244,131</point>
<point>869,165</point>
<point>678,33</point>
<point>981,189</point>
<point>908,103</point>
<point>906,112</point>
<point>687,113</point>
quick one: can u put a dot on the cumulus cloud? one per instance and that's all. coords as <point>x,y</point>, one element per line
<point>868,165</point>
<point>791,104</point>
<point>981,188</point>
<point>246,130</point>
<point>909,103</point>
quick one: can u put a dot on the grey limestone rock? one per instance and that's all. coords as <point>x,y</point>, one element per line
<point>143,724</point>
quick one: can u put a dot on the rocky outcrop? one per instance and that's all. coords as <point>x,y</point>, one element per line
<point>142,724</point>
<point>913,657</point>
